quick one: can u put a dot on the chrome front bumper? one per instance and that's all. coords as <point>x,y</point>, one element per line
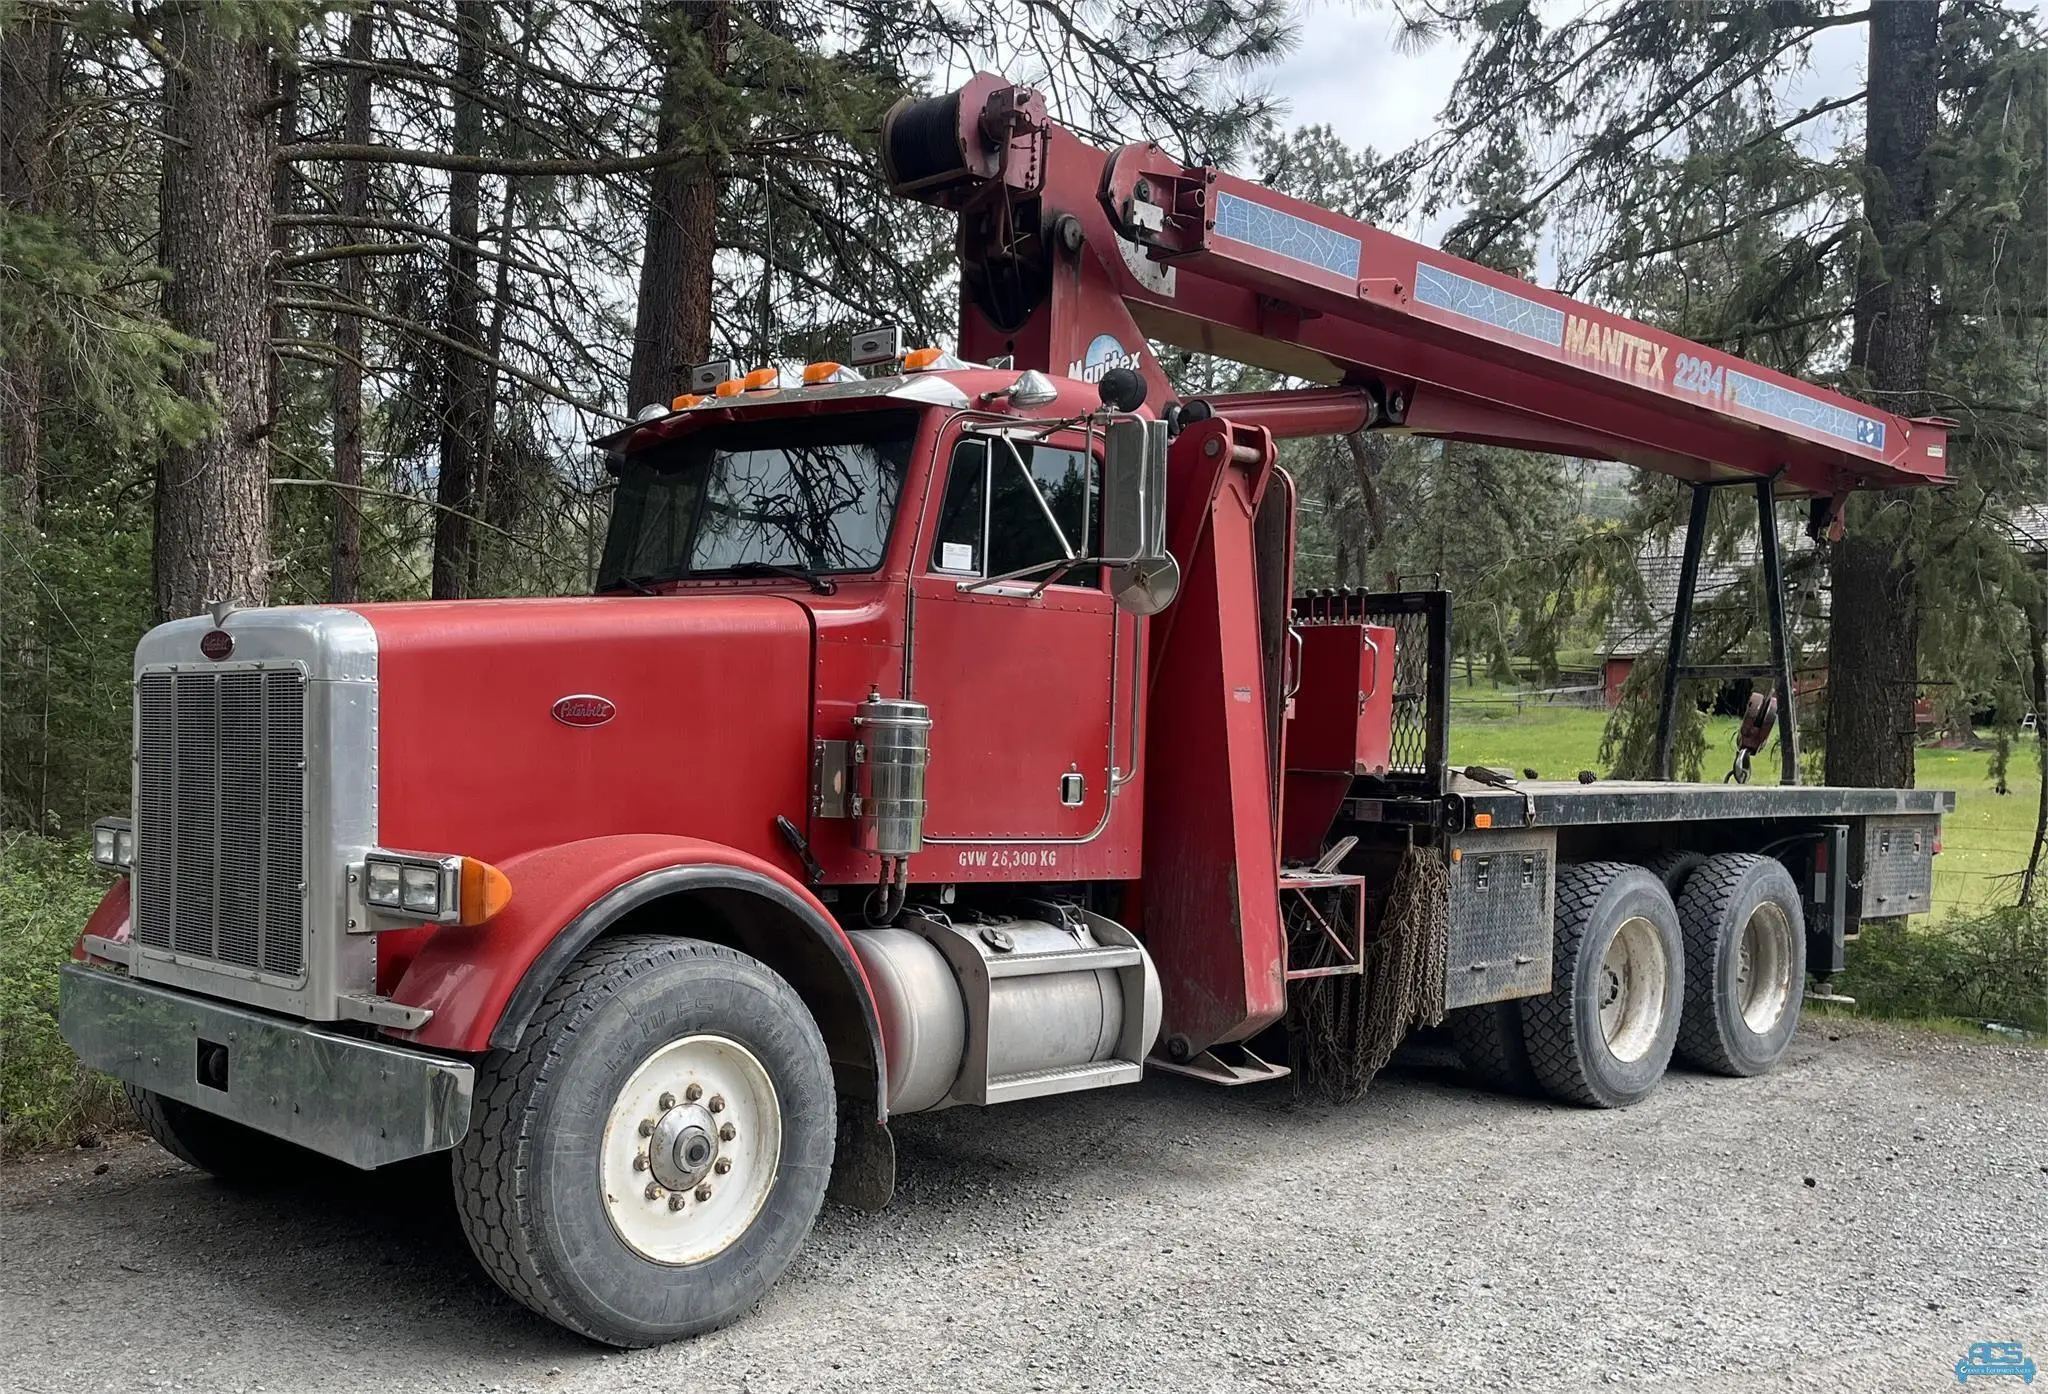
<point>364,1102</point>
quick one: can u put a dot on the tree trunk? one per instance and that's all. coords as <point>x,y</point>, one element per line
<point>2037,646</point>
<point>345,567</point>
<point>672,325</point>
<point>284,182</point>
<point>465,408</point>
<point>213,497</point>
<point>1873,625</point>
<point>31,64</point>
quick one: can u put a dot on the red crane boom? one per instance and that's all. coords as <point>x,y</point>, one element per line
<point>1073,258</point>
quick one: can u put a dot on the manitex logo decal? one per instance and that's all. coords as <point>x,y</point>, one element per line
<point>584,709</point>
<point>1104,353</point>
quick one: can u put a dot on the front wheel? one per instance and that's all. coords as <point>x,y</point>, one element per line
<point>650,1158</point>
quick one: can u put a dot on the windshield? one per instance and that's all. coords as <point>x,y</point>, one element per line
<point>813,495</point>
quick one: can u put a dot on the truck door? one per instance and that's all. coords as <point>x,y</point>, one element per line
<point>1017,673</point>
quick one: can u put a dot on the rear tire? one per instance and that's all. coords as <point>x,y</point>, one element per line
<point>1489,1042</point>
<point>1674,869</point>
<point>1745,965</point>
<point>648,1160</point>
<point>230,1152</point>
<point>1603,1034</point>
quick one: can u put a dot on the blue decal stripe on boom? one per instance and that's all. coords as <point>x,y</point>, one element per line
<point>1285,235</point>
<point>1769,399</point>
<point>1460,295</point>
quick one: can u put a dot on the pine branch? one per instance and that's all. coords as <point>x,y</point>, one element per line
<point>434,336</point>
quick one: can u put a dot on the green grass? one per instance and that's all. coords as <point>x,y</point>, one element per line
<point>1984,842</point>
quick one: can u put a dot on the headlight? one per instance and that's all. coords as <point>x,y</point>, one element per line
<point>381,881</point>
<point>421,891</point>
<point>113,843</point>
<point>438,890</point>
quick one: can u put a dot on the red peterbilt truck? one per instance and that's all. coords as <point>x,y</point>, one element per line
<point>951,734</point>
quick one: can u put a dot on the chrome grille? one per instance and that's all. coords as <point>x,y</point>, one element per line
<point>220,846</point>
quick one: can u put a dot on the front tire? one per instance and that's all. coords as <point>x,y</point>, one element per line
<point>1745,964</point>
<point>647,1162</point>
<point>1604,1033</point>
<point>230,1152</point>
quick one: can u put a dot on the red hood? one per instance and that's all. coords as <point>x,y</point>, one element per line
<point>695,720</point>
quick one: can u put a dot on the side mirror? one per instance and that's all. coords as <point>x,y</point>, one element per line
<point>1144,578</point>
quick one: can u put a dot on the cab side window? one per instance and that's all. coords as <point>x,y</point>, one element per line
<point>993,522</point>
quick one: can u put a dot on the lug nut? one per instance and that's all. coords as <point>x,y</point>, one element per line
<point>727,1132</point>
<point>654,1190</point>
<point>717,1104</point>
<point>647,1127</point>
<point>668,1101</point>
<point>694,1093</point>
<point>640,1163</point>
<point>675,1202</point>
<point>704,1192</point>
<point>723,1165</point>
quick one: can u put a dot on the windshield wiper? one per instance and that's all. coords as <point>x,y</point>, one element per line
<point>637,584</point>
<point>822,585</point>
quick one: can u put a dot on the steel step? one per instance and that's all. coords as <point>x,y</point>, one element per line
<point>1065,1079</point>
<point>1242,1067</point>
<point>1065,961</point>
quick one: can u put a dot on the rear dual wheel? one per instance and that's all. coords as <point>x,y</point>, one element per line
<point>1713,978</point>
<point>1604,1033</point>
<point>1745,964</point>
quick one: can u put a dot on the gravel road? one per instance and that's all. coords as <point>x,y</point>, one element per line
<point>1851,1222</point>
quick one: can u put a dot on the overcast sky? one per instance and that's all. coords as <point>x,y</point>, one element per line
<point>1347,73</point>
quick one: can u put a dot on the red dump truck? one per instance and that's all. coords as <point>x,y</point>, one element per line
<point>945,730</point>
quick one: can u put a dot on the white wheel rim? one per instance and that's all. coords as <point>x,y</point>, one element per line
<point>1763,967</point>
<point>691,1149</point>
<point>1632,974</point>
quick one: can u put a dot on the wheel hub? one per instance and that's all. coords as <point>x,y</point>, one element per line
<point>683,1147</point>
<point>691,1149</point>
<point>1631,989</point>
<point>1763,967</point>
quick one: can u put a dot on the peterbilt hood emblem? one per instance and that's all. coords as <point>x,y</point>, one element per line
<point>216,644</point>
<point>584,709</point>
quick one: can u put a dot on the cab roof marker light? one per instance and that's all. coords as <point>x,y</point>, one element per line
<point>761,380</point>
<point>917,360</point>
<point>687,399</point>
<point>816,373</point>
<point>731,387</point>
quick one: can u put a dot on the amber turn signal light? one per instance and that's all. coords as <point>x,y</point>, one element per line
<point>485,891</point>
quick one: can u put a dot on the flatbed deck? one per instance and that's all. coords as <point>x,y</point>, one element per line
<point>1556,803</point>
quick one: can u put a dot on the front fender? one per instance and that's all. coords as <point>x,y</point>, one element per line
<point>483,982</point>
<point>110,920</point>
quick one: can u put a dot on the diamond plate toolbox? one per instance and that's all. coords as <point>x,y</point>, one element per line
<point>1501,899</point>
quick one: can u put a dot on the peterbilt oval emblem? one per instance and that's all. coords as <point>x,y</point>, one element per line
<point>584,709</point>
<point>216,644</point>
